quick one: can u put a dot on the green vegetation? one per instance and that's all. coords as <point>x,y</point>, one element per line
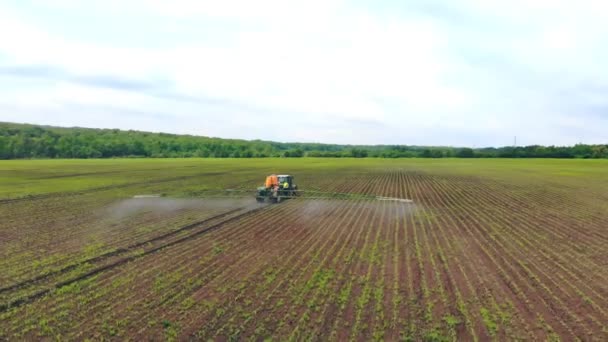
<point>489,321</point>
<point>503,249</point>
<point>19,141</point>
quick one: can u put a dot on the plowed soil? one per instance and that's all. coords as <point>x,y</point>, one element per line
<point>487,250</point>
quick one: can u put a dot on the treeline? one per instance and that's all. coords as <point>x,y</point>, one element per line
<point>18,141</point>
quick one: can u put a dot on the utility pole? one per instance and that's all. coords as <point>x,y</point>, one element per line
<point>515,141</point>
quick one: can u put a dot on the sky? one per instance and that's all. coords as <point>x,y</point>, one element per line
<point>428,72</point>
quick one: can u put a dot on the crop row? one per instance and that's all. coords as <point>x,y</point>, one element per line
<point>470,259</point>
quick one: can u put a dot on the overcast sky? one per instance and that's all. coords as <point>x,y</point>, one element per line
<point>427,72</point>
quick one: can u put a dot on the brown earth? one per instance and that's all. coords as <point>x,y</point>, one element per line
<point>471,259</point>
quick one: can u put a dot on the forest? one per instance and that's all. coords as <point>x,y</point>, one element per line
<point>25,141</point>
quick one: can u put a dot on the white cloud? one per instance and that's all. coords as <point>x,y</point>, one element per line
<point>436,72</point>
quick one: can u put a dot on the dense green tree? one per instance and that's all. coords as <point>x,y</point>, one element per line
<point>465,153</point>
<point>5,152</point>
<point>599,151</point>
<point>358,153</point>
<point>29,141</point>
<point>296,153</point>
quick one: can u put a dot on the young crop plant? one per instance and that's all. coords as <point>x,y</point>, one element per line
<point>489,321</point>
<point>170,330</point>
<point>283,280</point>
<point>344,295</point>
<point>434,335</point>
<point>366,292</point>
<point>488,250</point>
<point>217,250</point>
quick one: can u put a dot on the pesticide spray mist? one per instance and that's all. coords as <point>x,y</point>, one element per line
<point>161,205</point>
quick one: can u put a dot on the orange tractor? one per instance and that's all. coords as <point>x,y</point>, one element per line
<point>276,188</point>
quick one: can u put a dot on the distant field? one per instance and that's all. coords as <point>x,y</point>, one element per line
<point>489,249</point>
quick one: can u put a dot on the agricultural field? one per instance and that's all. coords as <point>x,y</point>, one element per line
<point>486,250</point>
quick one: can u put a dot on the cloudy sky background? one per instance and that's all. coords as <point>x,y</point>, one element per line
<point>427,72</point>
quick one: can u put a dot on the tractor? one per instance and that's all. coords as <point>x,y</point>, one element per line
<point>277,188</point>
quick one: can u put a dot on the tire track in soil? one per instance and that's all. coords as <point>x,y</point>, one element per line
<point>113,237</point>
<point>216,275</point>
<point>114,299</point>
<point>271,233</point>
<point>116,252</point>
<point>188,255</point>
<point>39,294</point>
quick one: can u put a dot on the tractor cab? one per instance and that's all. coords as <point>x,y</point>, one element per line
<point>285,181</point>
<point>277,188</point>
